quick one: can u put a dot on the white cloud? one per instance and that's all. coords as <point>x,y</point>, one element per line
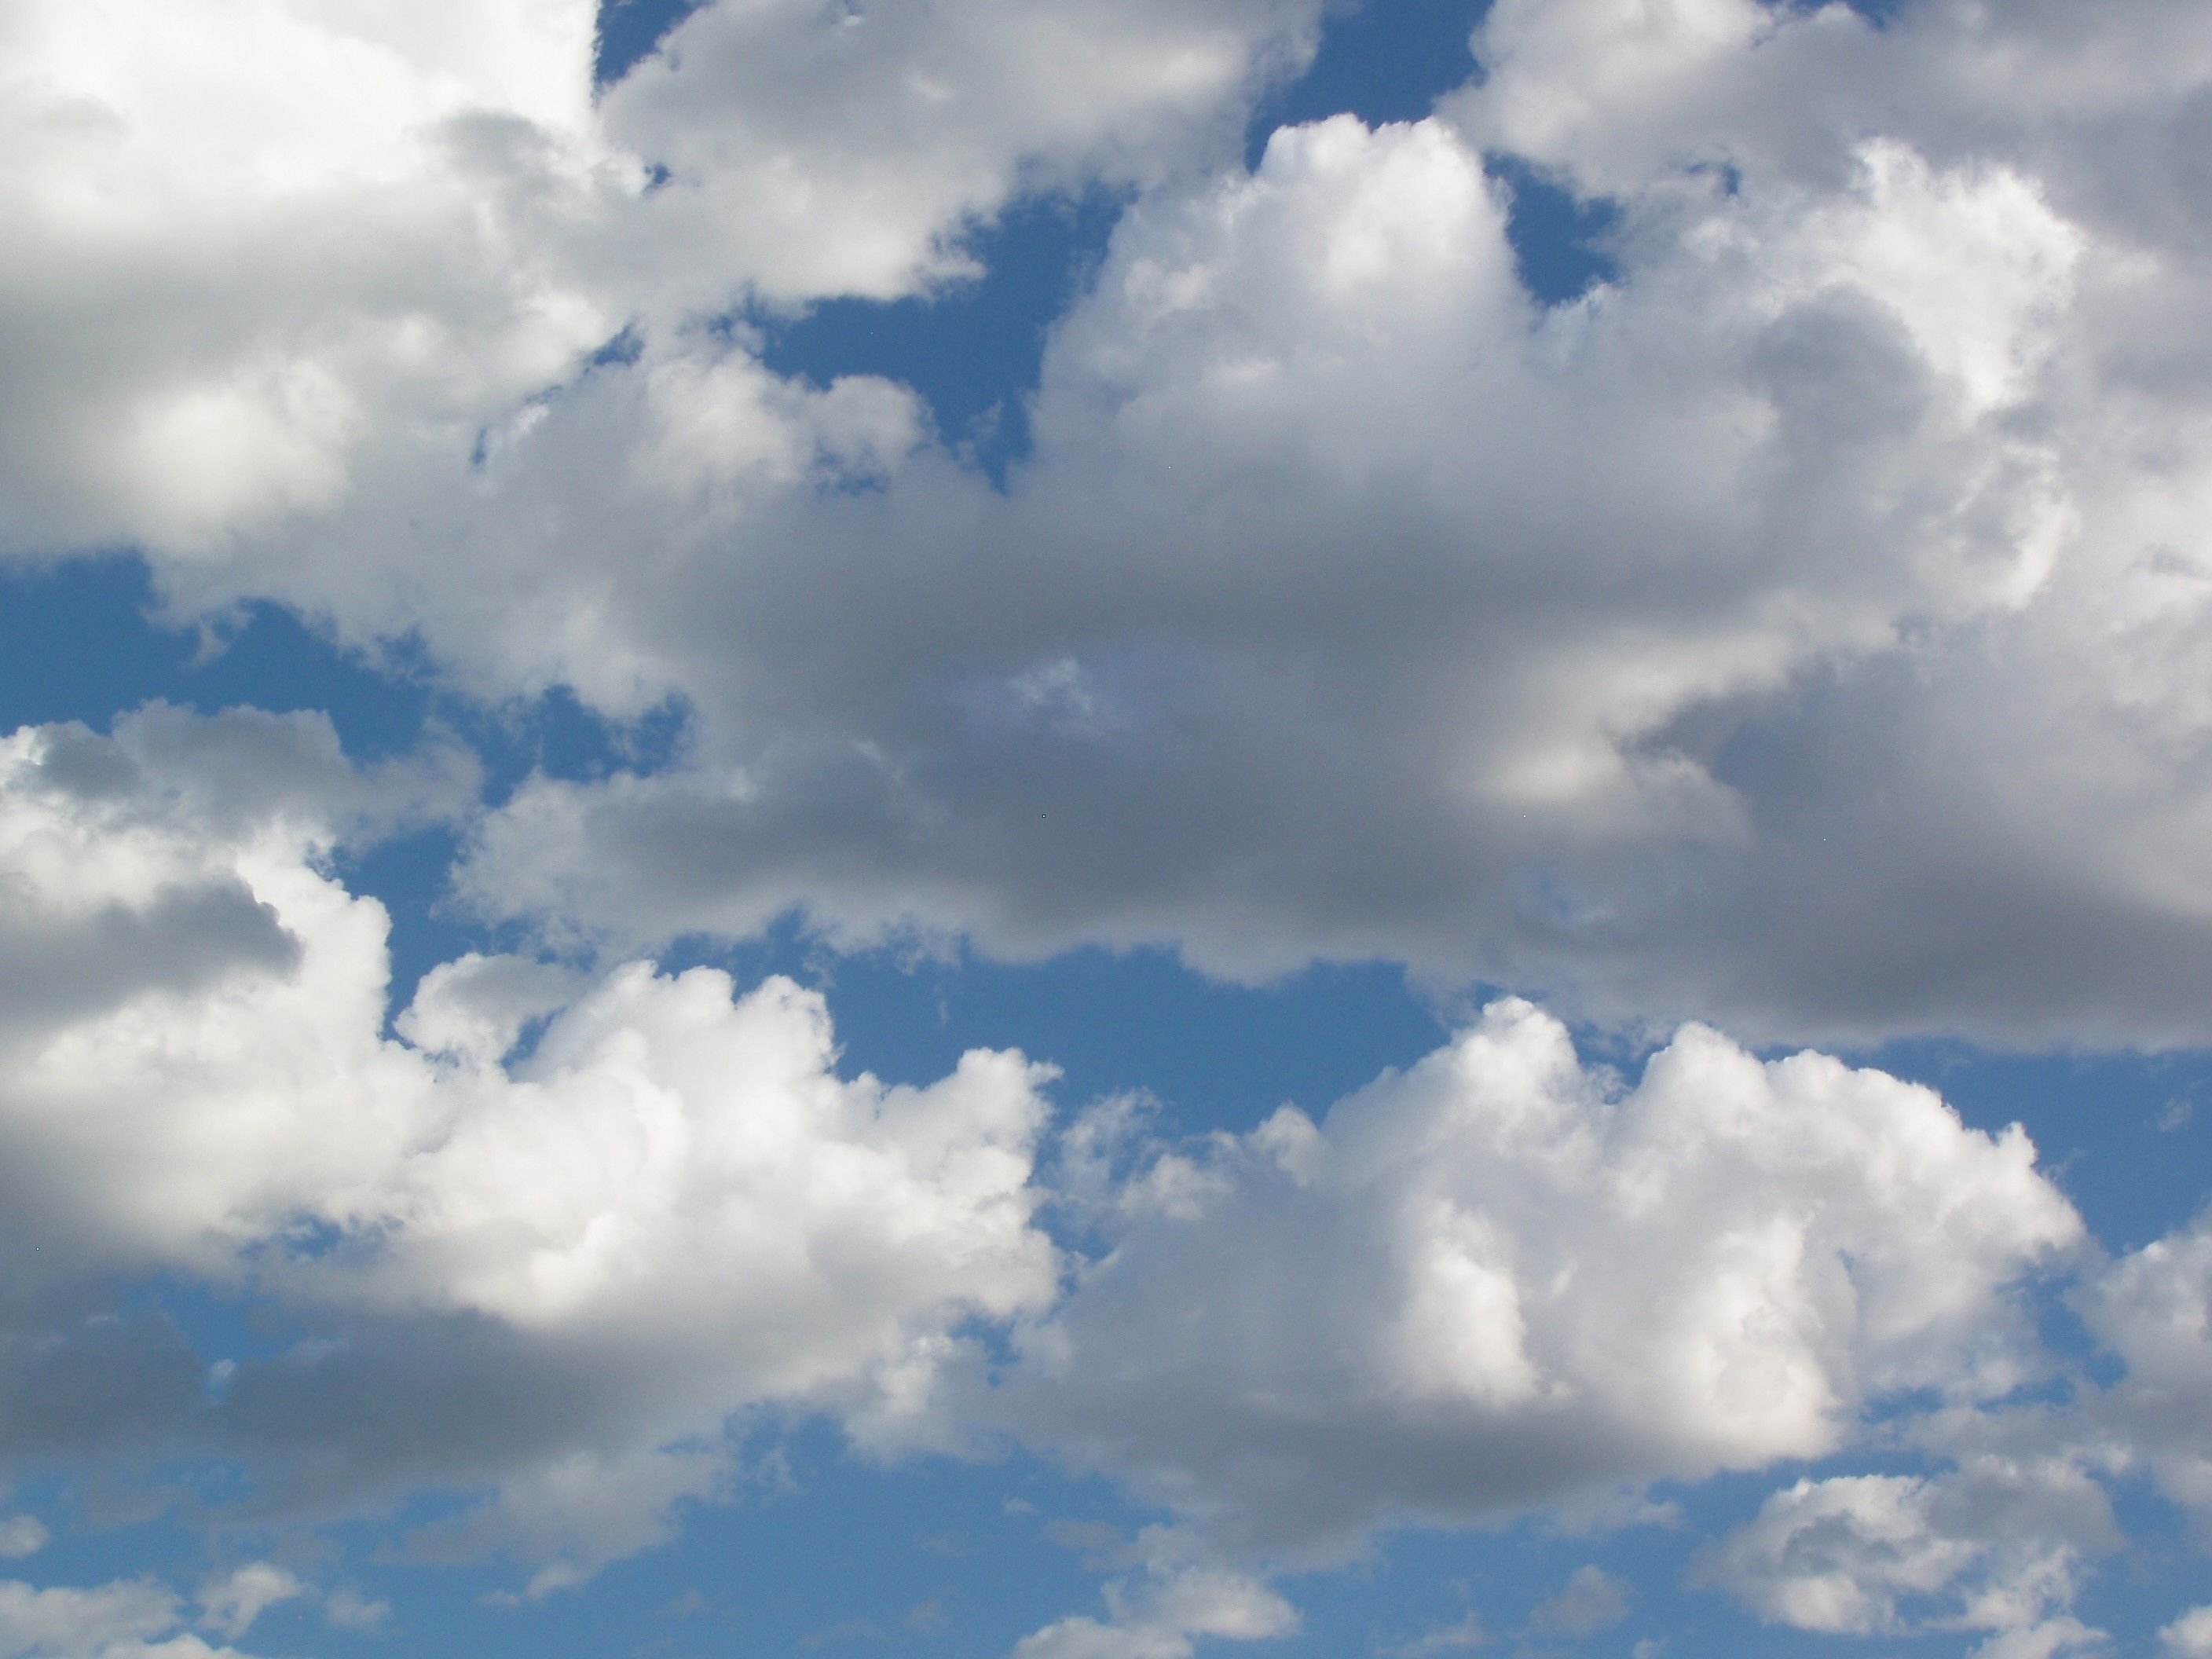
<point>1996,1546</point>
<point>1462,1635</point>
<point>129,1619</point>
<point>2189,1636</point>
<point>826,150</point>
<point>671,1209</point>
<point>230,1604</point>
<point>1591,1600</point>
<point>1579,524</point>
<point>1505,1279</point>
<point>1796,632</point>
<point>21,1536</point>
<point>350,1610</point>
<point>2153,1308</point>
<point>1165,1613</point>
<point>261,255</point>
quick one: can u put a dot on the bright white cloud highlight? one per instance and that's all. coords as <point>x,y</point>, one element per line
<point>1503,1278</point>
<point>1166,1611</point>
<point>129,1619</point>
<point>671,1209</point>
<point>1998,1545</point>
<point>263,255</point>
<point>2189,1636</point>
<point>229,1604</point>
<point>1797,631</point>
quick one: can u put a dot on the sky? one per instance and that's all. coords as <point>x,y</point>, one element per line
<point>1108,831</point>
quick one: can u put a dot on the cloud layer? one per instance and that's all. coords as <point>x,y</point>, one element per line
<point>1798,634</point>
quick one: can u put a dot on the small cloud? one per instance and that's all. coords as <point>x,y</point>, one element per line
<point>2189,1636</point>
<point>1460,1637</point>
<point>1593,1600</point>
<point>925,1615</point>
<point>852,1630</point>
<point>21,1536</point>
<point>689,1605</point>
<point>230,1606</point>
<point>350,1610</point>
<point>550,1580</point>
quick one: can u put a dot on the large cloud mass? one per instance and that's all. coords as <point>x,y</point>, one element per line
<point>554,1238</point>
<point>1803,630</point>
<point>1500,1280</point>
<point>671,1210</point>
<point>1799,630</point>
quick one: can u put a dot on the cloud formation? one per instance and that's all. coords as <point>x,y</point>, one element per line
<point>1505,1279</point>
<point>553,1238</point>
<point>1802,630</point>
<point>670,1208</point>
<point>1799,630</point>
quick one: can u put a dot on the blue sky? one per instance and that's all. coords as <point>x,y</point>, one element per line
<point>1097,833</point>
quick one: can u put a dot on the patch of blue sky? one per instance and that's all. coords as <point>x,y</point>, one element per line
<point>630,30</point>
<point>973,350</point>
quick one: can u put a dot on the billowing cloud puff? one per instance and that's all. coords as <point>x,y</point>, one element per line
<point>840,148</point>
<point>129,1619</point>
<point>669,1208</point>
<point>2153,1308</point>
<point>1795,631</point>
<point>1503,1279</point>
<point>262,255</point>
<point>1996,1546</point>
<point>1165,1612</point>
<point>1799,630</point>
<point>1327,512</point>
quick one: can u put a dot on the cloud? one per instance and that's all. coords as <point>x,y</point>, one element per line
<point>264,257</point>
<point>1997,1546</point>
<point>129,1619</point>
<point>1709,639</point>
<point>351,1610</point>
<point>1591,1600</point>
<point>1798,631</point>
<point>2190,1636</point>
<point>1462,1635</point>
<point>559,1276</point>
<point>555,1240</point>
<point>21,1536</point>
<point>1164,1612</point>
<point>821,150</point>
<point>2153,1309</point>
<point>229,1604</point>
<point>1504,1279</point>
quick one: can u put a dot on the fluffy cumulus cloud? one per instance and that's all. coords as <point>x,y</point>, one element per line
<point>129,1619</point>
<point>670,1209</point>
<point>1164,1613</point>
<point>1326,510</point>
<point>1796,631</point>
<point>1996,1546</point>
<point>2154,1310</point>
<point>264,257</point>
<point>2188,1636</point>
<point>1800,629</point>
<point>1502,1280</point>
<point>550,1238</point>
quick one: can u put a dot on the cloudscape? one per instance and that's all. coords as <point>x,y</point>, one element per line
<point>1105,828</point>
